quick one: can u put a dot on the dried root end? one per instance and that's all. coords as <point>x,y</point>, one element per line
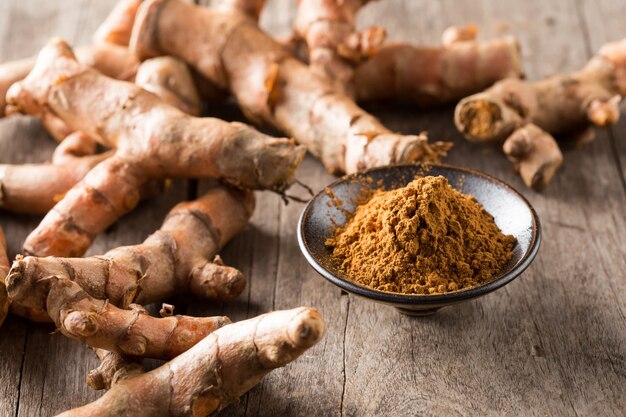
<point>480,120</point>
<point>604,112</point>
<point>536,155</point>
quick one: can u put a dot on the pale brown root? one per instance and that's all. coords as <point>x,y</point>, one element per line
<point>113,368</point>
<point>153,140</point>
<point>249,8</point>
<point>117,27</point>
<point>171,80</point>
<point>601,112</point>
<point>99,324</point>
<point>36,188</point>
<point>327,27</point>
<point>560,104</point>
<point>367,70</point>
<point>112,60</point>
<point>180,258</point>
<point>536,155</point>
<point>108,191</point>
<point>10,73</point>
<point>4,270</point>
<point>216,371</point>
<point>270,85</point>
<point>430,76</point>
<point>486,118</point>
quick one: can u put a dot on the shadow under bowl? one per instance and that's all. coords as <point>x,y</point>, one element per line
<point>332,207</point>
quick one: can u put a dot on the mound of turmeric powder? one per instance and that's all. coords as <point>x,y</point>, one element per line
<point>425,238</point>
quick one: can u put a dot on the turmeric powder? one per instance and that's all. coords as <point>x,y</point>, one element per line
<point>425,238</point>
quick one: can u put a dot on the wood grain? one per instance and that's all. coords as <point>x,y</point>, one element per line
<point>553,342</point>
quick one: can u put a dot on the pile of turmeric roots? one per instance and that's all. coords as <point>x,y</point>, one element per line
<point>126,113</point>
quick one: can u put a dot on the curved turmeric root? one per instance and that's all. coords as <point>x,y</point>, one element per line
<point>113,368</point>
<point>272,86</point>
<point>4,270</point>
<point>327,27</point>
<point>216,371</point>
<point>564,104</point>
<point>368,70</point>
<point>36,188</point>
<point>171,80</point>
<point>429,76</point>
<point>111,60</point>
<point>535,153</point>
<point>116,28</point>
<point>559,104</point>
<point>152,140</point>
<point>180,258</point>
<point>99,324</point>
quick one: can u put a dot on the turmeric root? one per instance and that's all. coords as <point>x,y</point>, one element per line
<point>112,60</point>
<point>36,188</point>
<point>371,71</point>
<point>177,259</point>
<point>216,371</point>
<point>152,140</point>
<point>113,368</point>
<point>4,270</point>
<point>273,87</point>
<point>430,76</point>
<point>327,27</point>
<point>99,324</point>
<point>116,28</point>
<point>535,153</point>
<point>564,104</point>
<point>180,258</point>
<point>171,80</point>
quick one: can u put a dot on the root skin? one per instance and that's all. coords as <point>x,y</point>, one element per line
<point>177,259</point>
<point>431,76</point>
<point>113,368</point>
<point>36,188</point>
<point>100,324</point>
<point>216,371</point>
<point>328,29</point>
<point>171,80</point>
<point>171,144</point>
<point>561,104</point>
<point>116,28</point>
<point>524,114</point>
<point>536,155</point>
<point>361,66</point>
<point>271,86</point>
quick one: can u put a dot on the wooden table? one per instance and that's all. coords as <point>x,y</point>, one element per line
<point>553,342</point>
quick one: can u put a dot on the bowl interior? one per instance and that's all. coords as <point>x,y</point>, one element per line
<point>333,206</point>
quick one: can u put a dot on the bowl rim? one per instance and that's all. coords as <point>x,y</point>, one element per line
<point>423,299</point>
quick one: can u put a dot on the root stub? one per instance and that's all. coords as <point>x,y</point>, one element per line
<point>479,120</point>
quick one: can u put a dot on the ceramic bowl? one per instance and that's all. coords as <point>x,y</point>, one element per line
<point>511,211</point>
